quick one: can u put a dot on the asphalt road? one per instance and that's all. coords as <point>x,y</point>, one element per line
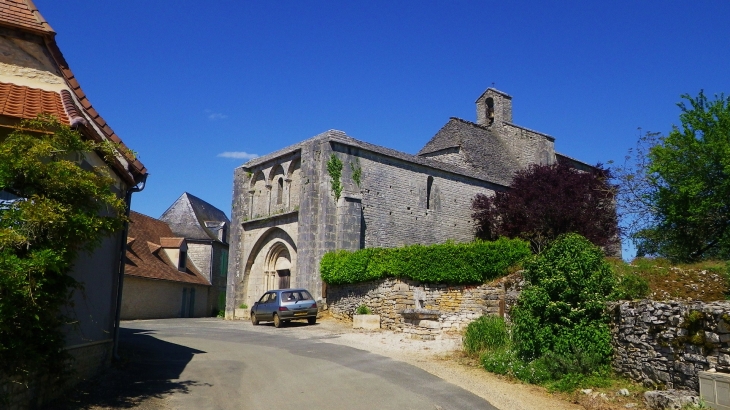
<point>216,364</point>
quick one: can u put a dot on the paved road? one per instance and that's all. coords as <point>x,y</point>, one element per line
<point>215,364</point>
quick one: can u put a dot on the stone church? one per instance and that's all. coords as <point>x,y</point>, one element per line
<point>287,213</point>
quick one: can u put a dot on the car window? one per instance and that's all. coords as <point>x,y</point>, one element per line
<point>264,298</point>
<point>273,298</point>
<point>304,295</point>
<point>289,296</point>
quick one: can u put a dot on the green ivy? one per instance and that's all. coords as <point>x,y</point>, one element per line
<point>334,168</point>
<point>356,173</point>
<point>463,263</point>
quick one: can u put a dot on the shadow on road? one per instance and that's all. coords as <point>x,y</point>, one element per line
<point>149,369</point>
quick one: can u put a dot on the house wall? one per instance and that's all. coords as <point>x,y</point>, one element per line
<point>200,255</point>
<point>159,299</point>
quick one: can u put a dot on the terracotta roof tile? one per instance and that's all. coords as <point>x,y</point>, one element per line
<point>25,102</point>
<point>171,242</point>
<point>144,261</point>
<point>23,14</point>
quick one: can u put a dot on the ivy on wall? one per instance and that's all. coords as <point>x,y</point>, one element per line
<point>334,168</point>
<point>356,173</point>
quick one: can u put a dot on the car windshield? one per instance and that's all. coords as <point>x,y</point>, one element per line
<point>295,296</point>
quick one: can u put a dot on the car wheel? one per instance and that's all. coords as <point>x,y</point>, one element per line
<point>277,321</point>
<point>311,320</point>
<point>286,320</point>
<point>253,319</point>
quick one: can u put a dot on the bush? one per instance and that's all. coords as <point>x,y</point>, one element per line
<point>562,309</point>
<point>363,310</point>
<point>631,286</point>
<point>487,332</point>
<point>463,263</point>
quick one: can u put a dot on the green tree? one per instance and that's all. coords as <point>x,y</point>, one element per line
<point>62,210</point>
<point>677,193</point>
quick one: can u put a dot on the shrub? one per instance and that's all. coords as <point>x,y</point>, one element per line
<point>562,309</point>
<point>631,286</point>
<point>463,263</point>
<point>363,310</point>
<point>243,306</point>
<point>487,332</point>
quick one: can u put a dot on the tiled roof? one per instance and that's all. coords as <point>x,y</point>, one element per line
<point>23,14</point>
<point>26,102</point>
<point>145,258</point>
<point>187,217</point>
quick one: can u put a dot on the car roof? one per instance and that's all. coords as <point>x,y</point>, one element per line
<point>286,290</point>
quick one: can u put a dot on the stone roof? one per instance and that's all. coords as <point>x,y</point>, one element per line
<point>192,218</point>
<point>342,138</point>
<point>145,258</point>
<point>23,15</point>
<point>481,147</point>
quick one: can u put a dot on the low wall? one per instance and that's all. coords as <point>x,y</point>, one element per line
<point>666,344</point>
<point>454,307</point>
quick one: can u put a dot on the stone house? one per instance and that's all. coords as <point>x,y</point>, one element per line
<point>205,229</point>
<point>35,78</point>
<point>160,278</point>
<point>286,214</point>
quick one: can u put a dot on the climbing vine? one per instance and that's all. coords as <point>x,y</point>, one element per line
<point>62,210</point>
<point>356,173</point>
<point>334,168</point>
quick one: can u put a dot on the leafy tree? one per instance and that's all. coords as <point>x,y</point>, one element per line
<point>62,210</point>
<point>562,310</point>
<point>674,196</point>
<point>545,201</point>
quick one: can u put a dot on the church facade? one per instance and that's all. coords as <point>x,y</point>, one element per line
<point>332,192</point>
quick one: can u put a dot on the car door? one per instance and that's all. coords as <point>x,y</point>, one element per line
<point>260,307</point>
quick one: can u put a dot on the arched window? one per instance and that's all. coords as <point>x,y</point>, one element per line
<point>280,192</point>
<point>429,185</point>
<point>490,110</point>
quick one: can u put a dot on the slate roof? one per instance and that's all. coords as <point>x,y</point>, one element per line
<point>24,15</point>
<point>188,215</point>
<point>342,138</point>
<point>145,259</point>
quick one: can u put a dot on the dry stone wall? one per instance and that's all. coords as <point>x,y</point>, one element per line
<point>666,344</point>
<point>421,310</point>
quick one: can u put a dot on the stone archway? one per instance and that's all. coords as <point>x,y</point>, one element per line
<point>270,265</point>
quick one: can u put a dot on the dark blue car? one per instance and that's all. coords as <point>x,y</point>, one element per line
<point>284,305</point>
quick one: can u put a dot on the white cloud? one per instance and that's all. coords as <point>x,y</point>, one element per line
<point>237,155</point>
<point>215,116</point>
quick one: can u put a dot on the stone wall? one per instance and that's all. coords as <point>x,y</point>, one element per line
<point>421,310</point>
<point>665,344</point>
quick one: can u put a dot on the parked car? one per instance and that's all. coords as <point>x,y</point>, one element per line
<point>284,305</point>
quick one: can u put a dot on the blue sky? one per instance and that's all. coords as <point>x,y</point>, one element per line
<point>182,82</point>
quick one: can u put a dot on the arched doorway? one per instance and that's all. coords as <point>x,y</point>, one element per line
<point>272,264</point>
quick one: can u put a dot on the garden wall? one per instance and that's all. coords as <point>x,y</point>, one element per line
<point>424,311</point>
<point>667,343</point>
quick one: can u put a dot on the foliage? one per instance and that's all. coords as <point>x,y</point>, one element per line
<point>562,309</point>
<point>707,280</point>
<point>63,210</point>
<point>486,333</point>
<point>674,193</point>
<point>334,168</point>
<point>545,201</point>
<point>363,310</point>
<point>463,263</point>
<point>356,173</point>
<point>243,306</point>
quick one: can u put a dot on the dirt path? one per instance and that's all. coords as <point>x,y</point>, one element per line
<point>436,357</point>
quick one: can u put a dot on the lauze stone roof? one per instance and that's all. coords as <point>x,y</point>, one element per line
<point>187,217</point>
<point>145,257</point>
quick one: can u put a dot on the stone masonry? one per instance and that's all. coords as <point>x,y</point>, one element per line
<point>286,216</point>
<point>424,311</point>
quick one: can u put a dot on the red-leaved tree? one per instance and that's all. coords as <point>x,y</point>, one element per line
<point>545,201</point>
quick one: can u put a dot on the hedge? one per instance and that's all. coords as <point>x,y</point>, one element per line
<point>451,263</point>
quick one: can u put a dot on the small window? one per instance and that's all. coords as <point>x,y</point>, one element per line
<point>182,262</point>
<point>429,186</point>
<point>280,192</point>
<point>490,110</point>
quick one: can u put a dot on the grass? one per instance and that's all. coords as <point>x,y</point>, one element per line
<point>707,281</point>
